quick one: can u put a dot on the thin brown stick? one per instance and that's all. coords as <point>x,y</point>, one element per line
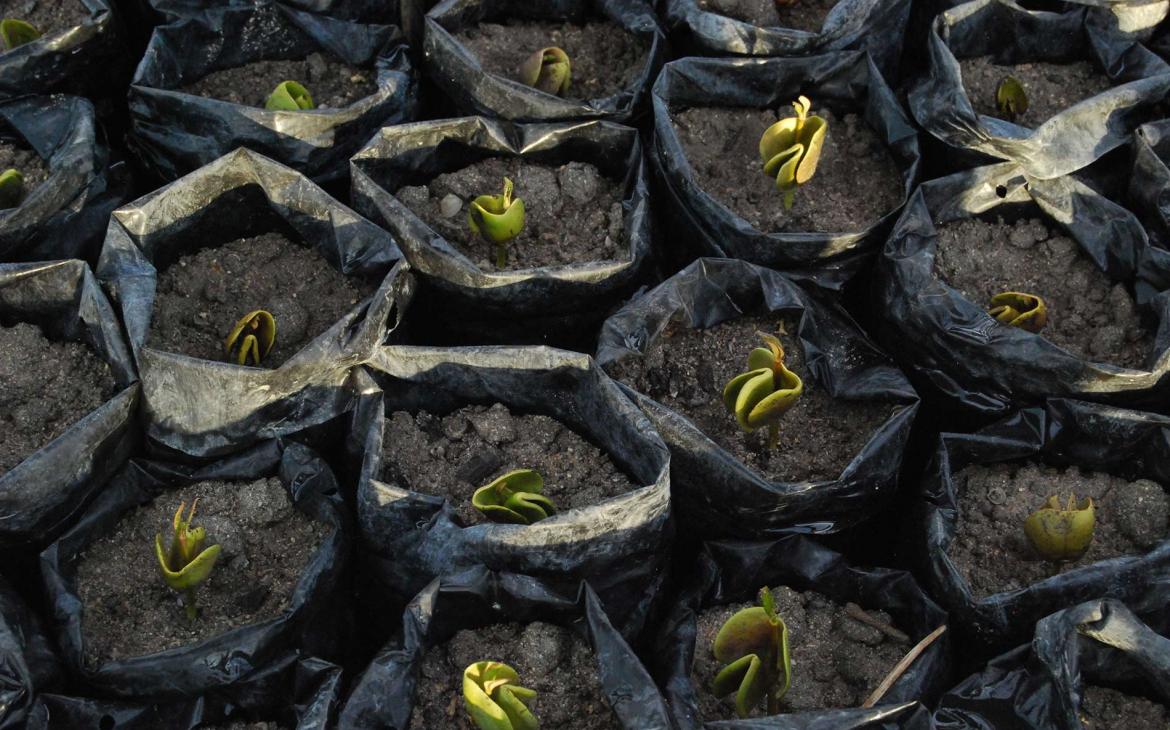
<point>857,612</point>
<point>901,667</point>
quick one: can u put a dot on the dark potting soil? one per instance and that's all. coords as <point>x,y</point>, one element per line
<point>808,15</point>
<point>1088,314</point>
<point>550,659</point>
<point>573,214</point>
<point>332,84</point>
<point>990,548</point>
<point>685,370</point>
<point>451,456</point>
<point>1108,709</point>
<point>1050,87</point>
<point>837,660</point>
<point>722,147</point>
<point>244,725</point>
<point>45,387</point>
<point>27,162</point>
<point>604,58</point>
<point>201,296</point>
<point>129,611</point>
<point>50,17</point>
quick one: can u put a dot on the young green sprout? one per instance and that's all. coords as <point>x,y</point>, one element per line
<point>15,33</point>
<point>1019,309</point>
<point>497,219</point>
<point>289,96</point>
<point>762,395</point>
<point>1062,533</point>
<point>494,698</point>
<point>548,70</point>
<point>791,148</point>
<point>1010,98</point>
<point>11,188</point>
<point>514,498</point>
<point>754,646</point>
<point>258,330</point>
<point>187,563</point>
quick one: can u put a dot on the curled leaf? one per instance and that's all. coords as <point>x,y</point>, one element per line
<point>791,148</point>
<point>494,698</point>
<point>1019,309</point>
<point>289,96</point>
<point>497,219</point>
<point>255,333</point>
<point>15,33</point>
<point>1062,533</point>
<point>548,70</point>
<point>186,563</point>
<point>754,645</point>
<point>1010,98</point>
<point>514,498</point>
<point>11,188</point>
<point>762,395</point>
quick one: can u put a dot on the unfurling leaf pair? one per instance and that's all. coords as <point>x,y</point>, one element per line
<point>289,96</point>
<point>762,395</point>
<point>791,148</point>
<point>497,219</point>
<point>1010,98</point>
<point>1062,533</point>
<point>11,188</point>
<point>15,33</point>
<point>514,498</point>
<point>494,698</point>
<point>187,563</point>
<point>754,646</point>
<point>258,329</point>
<point>1019,309</point>
<point>548,70</point>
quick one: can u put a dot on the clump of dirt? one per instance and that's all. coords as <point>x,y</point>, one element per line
<point>1050,87</point>
<point>50,17</point>
<point>332,84</point>
<point>27,162</point>
<point>1108,709</point>
<point>807,15</point>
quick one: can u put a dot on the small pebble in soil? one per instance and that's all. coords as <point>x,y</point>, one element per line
<point>332,84</point>
<point>1108,709</point>
<point>807,15</point>
<point>1050,87</point>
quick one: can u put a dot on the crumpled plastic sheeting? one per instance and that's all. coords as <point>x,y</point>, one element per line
<point>383,696</point>
<point>1070,139</point>
<point>620,545</point>
<point>717,496</point>
<point>734,571</point>
<point>1128,444</point>
<point>1149,184</point>
<point>27,662</point>
<point>202,407</point>
<point>175,132</point>
<point>365,11</point>
<point>952,345</point>
<point>41,494</point>
<point>846,82</point>
<point>224,663</point>
<point>474,91</point>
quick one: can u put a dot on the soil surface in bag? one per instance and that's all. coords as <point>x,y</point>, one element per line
<point>837,660</point>
<point>45,387</point>
<point>808,15</point>
<point>451,456</point>
<point>550,659</point>
<point>267,544</point>
<point>604,58</point>
<point>1050,87</point>
<point>1088,314</point>
<point>990,548</point>
<point>856,181</point>
<point>332,84</point>
<point>48,16</point>
<point>572,213</point>
<point>28,163</point>
<point>1108,709</point>
<point>686,369</point>
<point>201,296</point>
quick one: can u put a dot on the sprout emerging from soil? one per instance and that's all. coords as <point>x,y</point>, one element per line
<point>260,329</point>
<point>187,563</point>
<point>289,96</point>
<point>1019,309</point>
<point>495,700</point>
<point>497,219</point>
<point>548,70</point>
<point>754,645</point>
<point>1062,533</point>
<point>762,395</point>
<point>15,33</point>
<point>1010,98</point>
<point>791,148</point>
<point>514,498</point>
<point>11,188</point>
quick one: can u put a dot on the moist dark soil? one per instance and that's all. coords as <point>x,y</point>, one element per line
<point>837,660</point>
<point>1088,314</point>
<point>573,214</point>
<point>129,611</point>
<point>722,147</point>
<point>27,162</point>
<point>244,725</point>
<point>45,387</point>
<point>808,15</point>
<point>990,548</point>
<point>201,296</point>
<point>685,370</point>
<point>50,17</point>
<point>550,659</point>
<point>1051,87</point>
<point>451,456</point>
<point>1108,709</point>
<point>604,58</point>
<point>332,84</point>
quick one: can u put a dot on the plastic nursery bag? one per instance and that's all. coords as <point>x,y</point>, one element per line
<point>383,696</point>
<point>461,77</point>
<point>27,662</point>
<point>203,407</point>
<point>385,12</point>
<point>621,545</point>
<point>952,345</point>
<point>715,494</point>
<point>175,132</point>
<point>846,82</point>
<point>734,572</point>
<point>1149,184</point>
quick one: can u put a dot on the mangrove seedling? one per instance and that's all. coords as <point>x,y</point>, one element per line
<point>548,70</point>
<point>514,498</point>
<point>11,188</point>
<point>289,96</point>
<point>1062,533</point>
<point>1010,98</point>
<point>754,646</point>
<point>791,148</point>
<point>762,395</point>
<point>255,333</point>
<point>15,33</point>
<point>494,698</point>
<point>497,219</point>
<point>1019,309</point>
<point>187,563</point>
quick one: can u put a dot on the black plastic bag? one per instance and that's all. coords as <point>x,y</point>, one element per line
<point>385,12</point>
<point>714,494</point>
<point>846,82</point>
<point>1149,183</point>
<point>204,209</point>
<point>964,356</point>
<point>734,572</point>
<point>621,545</point>
<point>383,696</point>
<point>174,132</point>
<point>474,91</point>
<point>27,662</point>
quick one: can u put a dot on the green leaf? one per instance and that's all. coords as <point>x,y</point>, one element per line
<point>791,148</point>
<point>11,188</point>
<point>548,70</point>
<point>15,33</point>
<point>494,699</point>
<point>497,218</point>
<point>193,573</point>
<point>743,676</point>
<point>289,96</point>
<point>1010,98</point>
<point>1062,533</point>
<point>754,390</point>
<point>514,498</point>
<point>761,358</point>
